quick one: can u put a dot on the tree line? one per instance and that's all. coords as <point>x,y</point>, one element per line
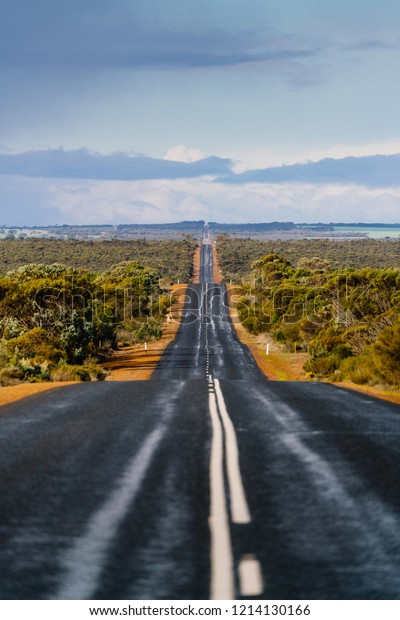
<point>237,255</point>
<point>173,259</point>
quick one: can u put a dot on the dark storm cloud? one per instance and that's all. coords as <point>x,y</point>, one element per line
<point>373,171</point>
<point>99,35</point>
<point>118,166</point>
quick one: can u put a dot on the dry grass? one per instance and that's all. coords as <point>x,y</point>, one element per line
<point>392,396</point>
<point>281,366</point>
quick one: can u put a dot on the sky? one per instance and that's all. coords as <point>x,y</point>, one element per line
<point>146,111</point>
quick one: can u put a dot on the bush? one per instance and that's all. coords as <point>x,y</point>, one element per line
<point>279,335</point>
<point>11,375</point>
<point>321,366</point>
<point>69,372</point>
<point>96,372</point>
<point>125,337</point>
<point>34,372</point>
<point>360,370</point>
<point>36,344</point>
<point>147,333</point>
<point>52,313</point>
<point>386,352</point>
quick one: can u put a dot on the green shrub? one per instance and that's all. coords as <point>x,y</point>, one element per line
<point>360,370</point>
<point>36,343</point>
<point>147,333</point>
<point>279,335</point>
<point>386,352</point>
<point>321,366</point>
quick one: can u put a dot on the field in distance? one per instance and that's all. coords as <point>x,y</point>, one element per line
<point>260,230</point>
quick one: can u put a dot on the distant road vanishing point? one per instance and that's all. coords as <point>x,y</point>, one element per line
<point>206,482</point>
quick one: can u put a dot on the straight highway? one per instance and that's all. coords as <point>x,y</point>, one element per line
<point>206,482</point>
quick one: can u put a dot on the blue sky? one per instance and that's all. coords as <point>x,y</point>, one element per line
<point>158,110</point>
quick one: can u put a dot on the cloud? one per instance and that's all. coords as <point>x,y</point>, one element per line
<point>373,44</point>
<point>102,35</point>
<point>118,166</point>
<point>373,171</point>
<point>181,153</point>
<point>38,201</point>
<point>376,171</point>
<point>182,57</point>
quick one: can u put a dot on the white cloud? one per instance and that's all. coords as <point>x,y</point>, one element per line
<point>85,202</point>
<point>183,154</point>
<point>41,201</point>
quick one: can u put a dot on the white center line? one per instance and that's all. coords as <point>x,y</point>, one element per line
<point>239,507</point>
<point>222,579</point>
<point>222,561</point>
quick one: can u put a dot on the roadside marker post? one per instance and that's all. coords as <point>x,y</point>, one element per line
<point>267,349</point>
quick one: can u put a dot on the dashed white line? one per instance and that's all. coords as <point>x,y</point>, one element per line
<point>250,577</point>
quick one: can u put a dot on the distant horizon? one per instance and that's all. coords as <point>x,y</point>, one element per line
<point>202,222</point>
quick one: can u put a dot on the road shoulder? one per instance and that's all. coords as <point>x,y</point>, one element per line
<point>12,393</point>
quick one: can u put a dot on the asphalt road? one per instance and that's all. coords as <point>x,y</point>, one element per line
<point>207,481</point>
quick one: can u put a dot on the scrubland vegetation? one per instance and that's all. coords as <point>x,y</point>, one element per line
<point>237,255</point>
<point>171,258</point>
<point>58,321</point>
<point>346,318</point>
<point>337,301</point>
